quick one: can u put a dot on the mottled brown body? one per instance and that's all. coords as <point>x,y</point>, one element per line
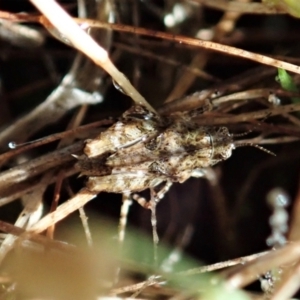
<point>142,150</point>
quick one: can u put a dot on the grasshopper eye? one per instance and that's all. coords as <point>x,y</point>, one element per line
<point>197,173</point>
<point>222,144</point>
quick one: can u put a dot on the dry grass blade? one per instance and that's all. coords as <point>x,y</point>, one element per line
<point>83,42</point>
<point>79,200</point>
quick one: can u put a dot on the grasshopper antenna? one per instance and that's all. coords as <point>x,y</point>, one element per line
<point>243,144</point>
<point>241,134</point>
<point>237,144</point>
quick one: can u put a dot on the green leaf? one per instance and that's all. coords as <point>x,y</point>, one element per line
<point>290,6</point>
<point>287,83</point>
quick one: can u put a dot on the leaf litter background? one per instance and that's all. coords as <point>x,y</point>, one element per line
<point>226,220</point>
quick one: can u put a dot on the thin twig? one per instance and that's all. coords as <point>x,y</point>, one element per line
<point>222,265</point>
<point>195,42</point>
<point>79,200</point>
<point>38,165</point>
<point>265,113</point>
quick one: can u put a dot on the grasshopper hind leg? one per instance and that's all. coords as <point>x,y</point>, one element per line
<point>154,200</point>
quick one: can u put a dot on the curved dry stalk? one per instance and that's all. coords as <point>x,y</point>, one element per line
<point>86,44</point>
